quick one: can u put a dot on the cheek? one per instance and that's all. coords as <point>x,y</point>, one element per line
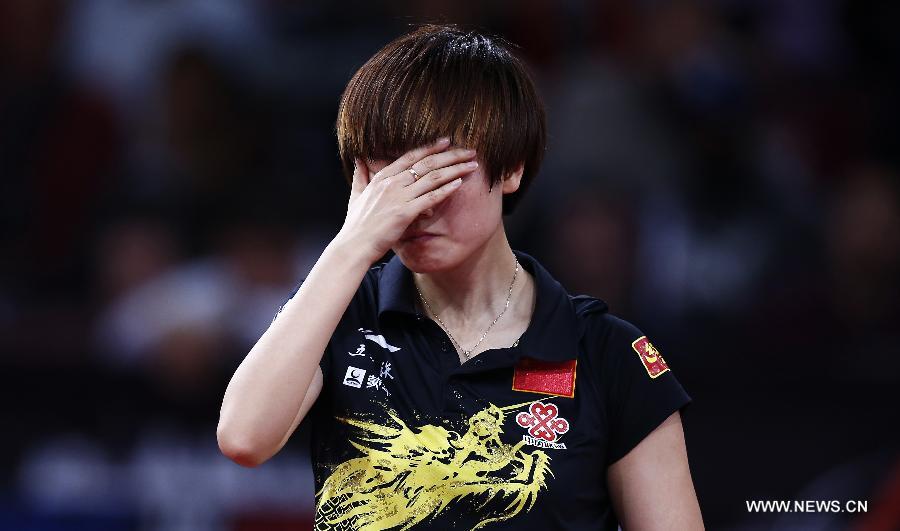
<point>472,210</point>
<point>476,191</point>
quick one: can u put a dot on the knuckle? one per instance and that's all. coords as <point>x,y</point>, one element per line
<point>436,175</point>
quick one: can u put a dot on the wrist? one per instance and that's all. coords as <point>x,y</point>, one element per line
<point>352,250</point>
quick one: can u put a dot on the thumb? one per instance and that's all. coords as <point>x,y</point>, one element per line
<point>360,177</point>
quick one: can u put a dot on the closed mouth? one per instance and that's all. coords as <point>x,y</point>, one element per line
<point>418,236</point>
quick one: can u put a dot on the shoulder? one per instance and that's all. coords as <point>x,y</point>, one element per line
<point>599,327</point>
<point>614,344</point>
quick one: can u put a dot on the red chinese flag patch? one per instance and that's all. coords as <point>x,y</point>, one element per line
<point>650,357</point>
<point>546,377</point>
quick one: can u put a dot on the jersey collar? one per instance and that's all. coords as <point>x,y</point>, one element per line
<point>552,335</point>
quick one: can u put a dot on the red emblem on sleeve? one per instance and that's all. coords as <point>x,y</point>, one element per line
<point>546,377</point>
<point>650,357</point>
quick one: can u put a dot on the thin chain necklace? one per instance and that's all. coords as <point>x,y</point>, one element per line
<point>468,353</point>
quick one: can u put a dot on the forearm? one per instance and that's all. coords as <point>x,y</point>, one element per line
<point>263,398</point>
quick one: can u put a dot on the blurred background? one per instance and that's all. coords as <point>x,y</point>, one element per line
<point>723,173</point>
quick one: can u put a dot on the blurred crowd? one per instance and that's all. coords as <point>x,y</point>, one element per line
<point>724,173</point>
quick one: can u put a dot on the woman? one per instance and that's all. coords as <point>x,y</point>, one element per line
<point>457,386</point>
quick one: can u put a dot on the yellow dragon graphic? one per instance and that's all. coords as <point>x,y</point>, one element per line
<point>407,475</point>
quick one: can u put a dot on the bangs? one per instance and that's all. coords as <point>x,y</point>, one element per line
<point>440,81</point>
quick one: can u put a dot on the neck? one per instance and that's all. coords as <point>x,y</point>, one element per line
<point>474,289</point>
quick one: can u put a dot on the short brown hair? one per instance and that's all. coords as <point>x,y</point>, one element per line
<point>440,80</point>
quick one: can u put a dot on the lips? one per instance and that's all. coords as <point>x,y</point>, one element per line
<point>417,236</point>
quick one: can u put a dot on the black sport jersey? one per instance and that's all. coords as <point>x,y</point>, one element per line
<point>404,436</point>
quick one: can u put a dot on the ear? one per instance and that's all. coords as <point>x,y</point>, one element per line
<point>513,179</point>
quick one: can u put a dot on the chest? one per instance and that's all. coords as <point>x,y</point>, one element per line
<point>499,413</point>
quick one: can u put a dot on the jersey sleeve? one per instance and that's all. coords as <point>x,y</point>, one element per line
<point>642,390</point>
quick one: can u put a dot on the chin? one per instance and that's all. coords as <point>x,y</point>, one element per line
<point>426,258</point>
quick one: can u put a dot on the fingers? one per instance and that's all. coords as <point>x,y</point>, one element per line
<point>434,197</point>
<point>440,160</point>
<point>411,157</point>
<point>439,177</point>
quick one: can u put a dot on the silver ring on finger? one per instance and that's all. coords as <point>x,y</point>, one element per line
<point>415,174</point>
